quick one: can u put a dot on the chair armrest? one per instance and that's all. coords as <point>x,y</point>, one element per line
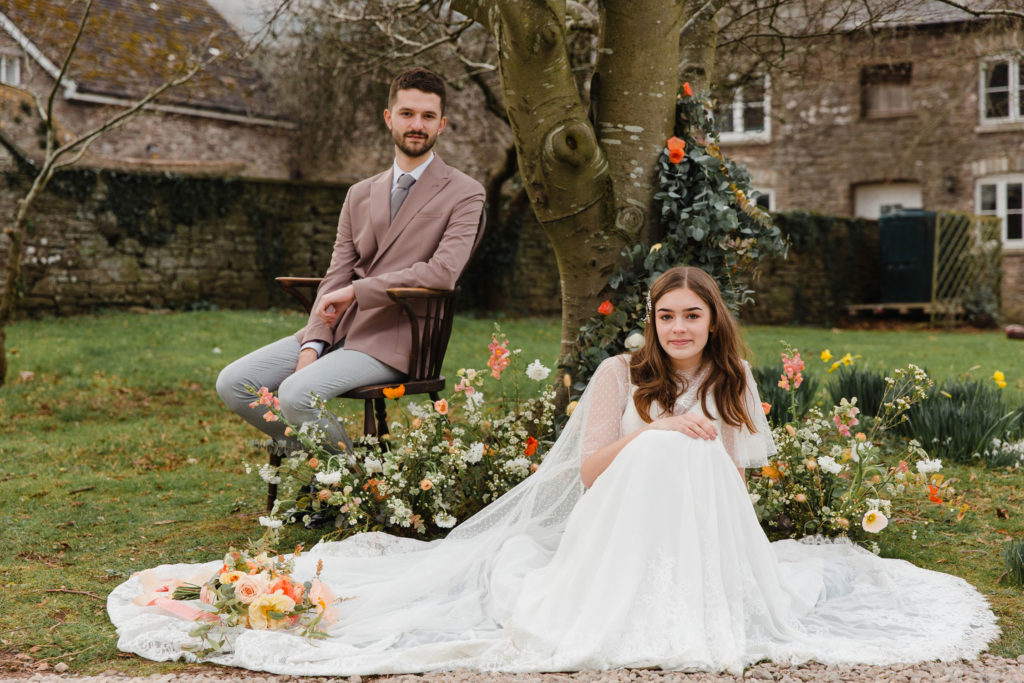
<point>293,285</point>
<point>399,293</point>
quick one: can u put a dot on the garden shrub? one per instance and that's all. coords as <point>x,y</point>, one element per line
<point>959,420</point>
<point>1013,559</point>
<point>867,385</point>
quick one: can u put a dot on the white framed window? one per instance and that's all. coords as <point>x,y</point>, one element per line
<point>765,198</point>
<point>1003,196</point>
<point>1001,90</point>
<point>10,69</point>
<point>885,90</point>
<point>744,113</point>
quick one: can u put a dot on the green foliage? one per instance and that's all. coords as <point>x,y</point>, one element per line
<point>960,418</point>
<point>709,220</point>
<point>1013,560</point>
<point>866,384</point>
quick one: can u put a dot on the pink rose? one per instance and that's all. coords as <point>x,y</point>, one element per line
<point>323,598</point>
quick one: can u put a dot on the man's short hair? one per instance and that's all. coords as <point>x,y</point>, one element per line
<point>417,79</point>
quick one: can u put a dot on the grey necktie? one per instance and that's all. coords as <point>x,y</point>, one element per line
<point>400,192</point>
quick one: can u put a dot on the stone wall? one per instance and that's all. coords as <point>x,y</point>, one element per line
<point>832,263</point>
<point>110,239</point>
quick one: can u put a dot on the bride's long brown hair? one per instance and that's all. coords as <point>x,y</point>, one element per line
<point>650,368</point>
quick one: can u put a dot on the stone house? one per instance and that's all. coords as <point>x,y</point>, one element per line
<point>223,121</point>
<point>925,111</point>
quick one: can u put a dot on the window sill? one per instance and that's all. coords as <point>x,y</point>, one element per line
<point>745,138</point>
<point>1016,248</point>
<point>885,115</point>
<point>1000,127</point>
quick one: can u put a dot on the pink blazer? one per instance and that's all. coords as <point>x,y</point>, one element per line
<point>427,245</point>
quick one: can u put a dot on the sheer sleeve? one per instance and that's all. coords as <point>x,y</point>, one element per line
<point>609,392</point>
<point>750,449</point>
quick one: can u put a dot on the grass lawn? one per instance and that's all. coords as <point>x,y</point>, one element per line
<point>116,455</point>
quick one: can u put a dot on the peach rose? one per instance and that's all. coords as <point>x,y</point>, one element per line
<point>323,598</point>
<point>231,576</point>
<point>250,587</point>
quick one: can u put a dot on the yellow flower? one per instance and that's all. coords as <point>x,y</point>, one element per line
<point>946,394</point>
<point>826,356</point>
<point>835,366</point>
<point>231,576</point>
<point>655,247</point>
<point>571,407</point>
<point>998,376</point>
<point>1001,385</point>
<point>846,360</point>
<point>260,609</point>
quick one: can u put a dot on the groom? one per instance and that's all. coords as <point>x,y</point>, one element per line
<point>411,226</point>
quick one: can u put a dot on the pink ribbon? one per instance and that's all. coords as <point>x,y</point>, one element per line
<point>180,609</point>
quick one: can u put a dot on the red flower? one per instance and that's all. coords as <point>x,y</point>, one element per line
<point>676,149</point>
<point>687,90</point>
<point>531,446</point>
<point>606,308</point>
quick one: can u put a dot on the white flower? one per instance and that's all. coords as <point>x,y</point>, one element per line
<point>880,504</point>
<point>470,374</point>
<point>268,473</point>
<point>536,371</point>
<point>371,465</point>
<point>828,463</point>
<point>754,497</point>
<point>634,341</point>
<point>216,349</point>
<point>444,520</point>
<point>328,478</point>
<point>474,453</point>
<point>928,465</point>
<point>853,451</point>
<point>874,521</point>
<point>270,522</point>
<point>518,466</point>
<point>475,401</point>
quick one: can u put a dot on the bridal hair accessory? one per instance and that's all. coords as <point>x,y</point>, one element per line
<point>648,305</point>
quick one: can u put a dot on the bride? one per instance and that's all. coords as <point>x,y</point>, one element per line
<point>634,545</point>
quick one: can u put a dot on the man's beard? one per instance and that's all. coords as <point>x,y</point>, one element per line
<point>427,144</point>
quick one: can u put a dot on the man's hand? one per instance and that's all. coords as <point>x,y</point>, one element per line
<point>306,356</point>
<point>333,304</point>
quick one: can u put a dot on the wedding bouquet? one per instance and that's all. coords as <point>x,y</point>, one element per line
<point>248,591</point>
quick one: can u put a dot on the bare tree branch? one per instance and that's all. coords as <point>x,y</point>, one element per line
<point>981,13</point>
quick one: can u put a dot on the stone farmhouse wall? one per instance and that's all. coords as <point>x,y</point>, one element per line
<point>822,148</point>
<point>101,239</point>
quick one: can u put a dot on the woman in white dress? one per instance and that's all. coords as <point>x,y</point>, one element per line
<point>634,545</point>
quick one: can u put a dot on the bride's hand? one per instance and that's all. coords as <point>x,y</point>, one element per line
<point>695,425</point>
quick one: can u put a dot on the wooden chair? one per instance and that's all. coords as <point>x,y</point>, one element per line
<point>431,329</point>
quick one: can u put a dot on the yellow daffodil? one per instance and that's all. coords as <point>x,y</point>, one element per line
<point>999,378</point>
<point>846,360</point>
<point>826,356</point>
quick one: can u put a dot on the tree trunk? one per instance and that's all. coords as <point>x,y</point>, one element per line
<point>592,195</point>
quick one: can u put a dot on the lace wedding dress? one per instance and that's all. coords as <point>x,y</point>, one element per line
<point>661,563</point>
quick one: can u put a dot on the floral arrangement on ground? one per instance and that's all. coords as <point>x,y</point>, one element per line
<point>840,473</point>
<point>439,464</point>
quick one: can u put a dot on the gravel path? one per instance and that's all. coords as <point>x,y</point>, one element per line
<point>988,669</point>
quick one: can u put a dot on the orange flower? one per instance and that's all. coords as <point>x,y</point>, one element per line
<point>770,471</point>
<point>531,446</point>
<point>292,590</point>
<point>394,392</point>
<point>426,484</point>
<point>313,463</point>
<point>270,417</point>
<point>766,407</point>
<point>606,308</point>
<point>933,494</point>
<point>441,407</point>
<point>687,90</point>
<point>676,149</point>
<point>374,487</point>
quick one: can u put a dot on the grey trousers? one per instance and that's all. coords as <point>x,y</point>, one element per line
<point>273,366</point>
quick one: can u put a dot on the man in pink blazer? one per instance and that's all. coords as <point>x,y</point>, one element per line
<point>411,226</point>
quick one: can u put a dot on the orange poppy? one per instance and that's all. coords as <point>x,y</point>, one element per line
<point>394,392</point>
<point>531,446</point>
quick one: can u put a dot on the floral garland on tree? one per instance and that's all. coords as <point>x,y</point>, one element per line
<point>710,220</point>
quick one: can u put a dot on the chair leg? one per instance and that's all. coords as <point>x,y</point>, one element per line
<point>275,460</point>
<point>434,396</point>
<point>382,417</point>
<point>369,426</point>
